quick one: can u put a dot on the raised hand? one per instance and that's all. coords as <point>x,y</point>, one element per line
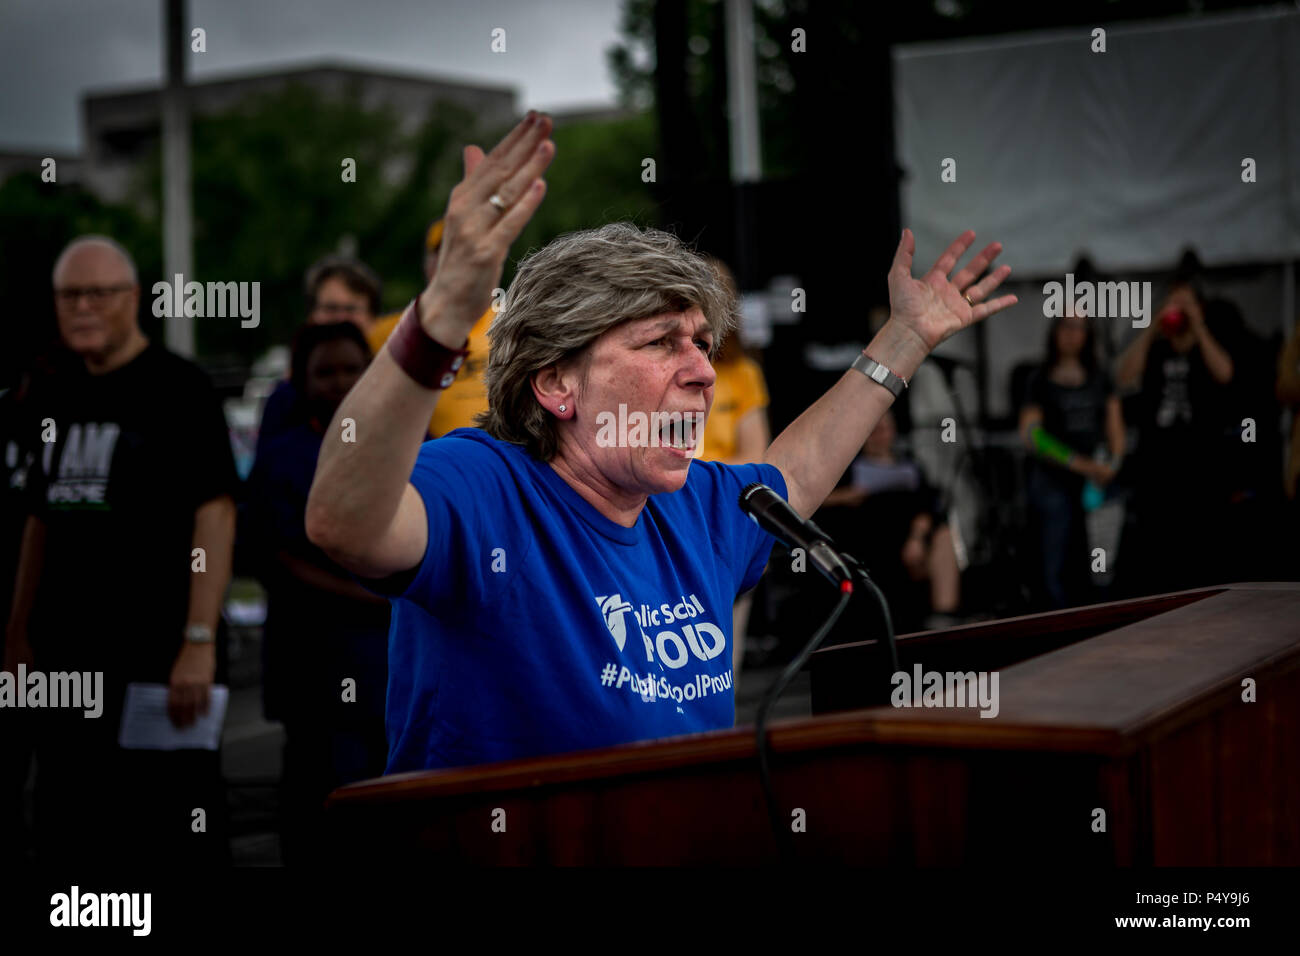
<point>936,306</point>
<point>488,209</point>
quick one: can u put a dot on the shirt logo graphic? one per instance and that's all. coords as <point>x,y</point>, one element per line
<point>84,465</point>
<point>614,607</point>
<point>700,639</point>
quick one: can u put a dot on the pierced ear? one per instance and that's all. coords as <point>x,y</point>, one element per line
<point>553,389</point>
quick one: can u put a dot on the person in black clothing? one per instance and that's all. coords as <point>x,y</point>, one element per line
<point>1183,372</point>
<point>1246,454</point>
<point>325,643</point>
<point>1071,399</point>
<point>133,471</point>
<point>16,729</point>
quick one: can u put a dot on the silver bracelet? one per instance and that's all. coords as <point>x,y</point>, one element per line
<point>198,634</point>
<point>879,374</point>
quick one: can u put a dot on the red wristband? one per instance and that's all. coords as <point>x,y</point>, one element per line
<point>423,358</point>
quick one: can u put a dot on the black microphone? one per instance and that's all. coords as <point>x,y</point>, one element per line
<point>774,515</point>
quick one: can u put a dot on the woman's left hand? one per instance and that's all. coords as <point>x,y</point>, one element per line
<point>936,306</point>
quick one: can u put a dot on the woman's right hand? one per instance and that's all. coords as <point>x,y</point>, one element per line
<point>477,235</point>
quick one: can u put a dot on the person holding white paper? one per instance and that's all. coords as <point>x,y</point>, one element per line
<point>126,556</point>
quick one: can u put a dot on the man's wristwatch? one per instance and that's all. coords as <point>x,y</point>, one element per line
<point>198,634</point>
<point>879,374</point>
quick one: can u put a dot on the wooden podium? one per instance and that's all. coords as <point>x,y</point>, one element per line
<point>1122,738</point>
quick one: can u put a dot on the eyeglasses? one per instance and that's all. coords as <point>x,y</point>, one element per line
<point>97,294</point>
<point>334,308</point>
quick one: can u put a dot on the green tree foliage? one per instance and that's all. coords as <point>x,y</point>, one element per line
<point>594,179</point>
<point>632,62</point>
<point>269,199</point>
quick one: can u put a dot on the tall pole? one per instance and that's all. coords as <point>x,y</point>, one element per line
<point>746,155</point>
<point>676,176</point>
<point>177,240</point>
<point>742,93</point>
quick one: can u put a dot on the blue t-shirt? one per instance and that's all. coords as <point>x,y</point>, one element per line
<point>536,625</point>
<point>280,412</point>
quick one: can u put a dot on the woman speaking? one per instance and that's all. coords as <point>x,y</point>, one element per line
<point>562,576</point>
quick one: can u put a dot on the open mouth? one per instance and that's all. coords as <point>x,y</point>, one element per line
<point>681,430</point>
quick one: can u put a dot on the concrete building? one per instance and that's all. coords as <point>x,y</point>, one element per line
<point>123,126</point>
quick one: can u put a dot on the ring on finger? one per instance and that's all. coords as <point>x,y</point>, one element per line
<point>496,200</point>
<point>968,299</point>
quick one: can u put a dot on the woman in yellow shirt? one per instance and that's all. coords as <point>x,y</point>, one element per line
<point>467,397</point>
<point>736,431</point>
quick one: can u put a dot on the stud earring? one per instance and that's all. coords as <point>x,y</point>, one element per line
<point>562,408</point>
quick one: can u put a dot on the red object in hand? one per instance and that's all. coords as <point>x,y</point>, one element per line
<point>1173,321</point>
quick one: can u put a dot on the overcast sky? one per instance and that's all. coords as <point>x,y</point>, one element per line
<point>53,50</point>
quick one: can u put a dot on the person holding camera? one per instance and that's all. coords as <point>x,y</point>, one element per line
<point>1182,373</point>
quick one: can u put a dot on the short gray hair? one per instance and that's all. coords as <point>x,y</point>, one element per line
<point>569,293</point>
<point>98,240</point>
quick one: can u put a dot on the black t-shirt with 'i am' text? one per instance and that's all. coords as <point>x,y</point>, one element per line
<point>135,452</point>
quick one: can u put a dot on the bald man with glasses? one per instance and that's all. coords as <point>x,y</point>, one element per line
<point>132,472</point>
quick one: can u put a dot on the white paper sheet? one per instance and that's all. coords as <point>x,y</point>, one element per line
<point>146,726</point>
